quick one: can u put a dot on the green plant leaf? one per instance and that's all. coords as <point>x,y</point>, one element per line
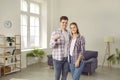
<point>110,57</point>
<point>10,39</point>
<point>30,54</point>
<point>36,53</point>
<point>114,57</point>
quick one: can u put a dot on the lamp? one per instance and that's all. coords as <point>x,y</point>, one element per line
<point>107,40</point>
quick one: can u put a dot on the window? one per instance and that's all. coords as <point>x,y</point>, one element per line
<point>24,30</point>
<point>31,24</point>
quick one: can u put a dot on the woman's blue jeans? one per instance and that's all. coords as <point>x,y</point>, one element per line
<point>61,68</point>
<point>76,72</point>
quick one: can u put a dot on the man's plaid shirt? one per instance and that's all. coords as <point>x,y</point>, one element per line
<point>58,46</point>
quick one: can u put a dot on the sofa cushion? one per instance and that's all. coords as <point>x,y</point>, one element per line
<point>50,60</point>
<point>90,54</point>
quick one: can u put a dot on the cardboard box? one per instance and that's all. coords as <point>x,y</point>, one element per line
<point>5,69</point>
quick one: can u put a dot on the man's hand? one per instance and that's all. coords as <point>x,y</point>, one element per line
<point>56,37</point>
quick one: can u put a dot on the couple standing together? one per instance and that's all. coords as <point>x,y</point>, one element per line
<point>67,50</point>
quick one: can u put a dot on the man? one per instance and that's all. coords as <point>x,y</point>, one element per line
<point>60,44</point>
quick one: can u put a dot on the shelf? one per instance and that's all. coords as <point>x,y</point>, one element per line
<point>12,63</point>
<point>12,71</point>
<point>3,56</point>
<point>18,44</point>
<point>2,45</point>
<point>10,55</point>
<point>7,47</point>
<point>1,64</point>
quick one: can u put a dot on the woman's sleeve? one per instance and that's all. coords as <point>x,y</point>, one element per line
<point>82,45</point>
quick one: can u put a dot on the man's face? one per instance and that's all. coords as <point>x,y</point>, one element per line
<point>63,24</point>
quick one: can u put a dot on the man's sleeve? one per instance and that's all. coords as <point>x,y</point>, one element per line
<point>52,41</point>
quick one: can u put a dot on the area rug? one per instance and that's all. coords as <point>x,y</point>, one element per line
<point>18,79</point>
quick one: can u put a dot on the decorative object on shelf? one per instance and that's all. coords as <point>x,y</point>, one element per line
<point>37,53</point>
<point>10,40</point>
<point>114,58</point>
<point>16,52</point>
<point>107,40</point>
<point>7,24</point>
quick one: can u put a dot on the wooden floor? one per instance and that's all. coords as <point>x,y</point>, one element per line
<point>42,71</point>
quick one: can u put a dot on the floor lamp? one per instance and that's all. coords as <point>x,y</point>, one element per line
<point>107,40</point>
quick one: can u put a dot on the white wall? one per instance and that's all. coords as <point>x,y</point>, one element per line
<point>96,19</point>
<point>10,10</point>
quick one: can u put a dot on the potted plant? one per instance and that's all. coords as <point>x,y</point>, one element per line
<point>10,40</point>
<point>114,58</point>
<point>37,53</point>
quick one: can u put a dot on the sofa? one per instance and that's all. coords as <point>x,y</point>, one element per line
<point>91,62</point>
<point>90,59</point>
<point>50,60</point>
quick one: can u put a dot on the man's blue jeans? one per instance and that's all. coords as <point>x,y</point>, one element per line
<point>61,67</point>
<point>76,72</point>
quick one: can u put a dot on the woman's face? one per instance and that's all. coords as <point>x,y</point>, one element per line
<point>73,29</point>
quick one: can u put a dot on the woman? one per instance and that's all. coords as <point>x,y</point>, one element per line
<point>77,48</point>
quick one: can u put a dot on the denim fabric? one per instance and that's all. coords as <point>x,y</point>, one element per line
<point>61,68</point>
<point>76,72</point>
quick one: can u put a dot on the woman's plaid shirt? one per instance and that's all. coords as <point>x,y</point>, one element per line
<point>58,46</point>
<point>79,47</point>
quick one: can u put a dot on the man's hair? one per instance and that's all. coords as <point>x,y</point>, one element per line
<point>63,18</point>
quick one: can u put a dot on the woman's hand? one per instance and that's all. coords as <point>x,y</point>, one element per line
<point>77,63</point>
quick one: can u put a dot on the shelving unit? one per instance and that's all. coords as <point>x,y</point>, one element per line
<point>10,55</point>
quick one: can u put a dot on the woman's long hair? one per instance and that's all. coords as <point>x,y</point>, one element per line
<point>74,23</point>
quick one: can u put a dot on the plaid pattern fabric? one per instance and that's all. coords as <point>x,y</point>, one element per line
<point>58,46</point>
<point>79,47</point>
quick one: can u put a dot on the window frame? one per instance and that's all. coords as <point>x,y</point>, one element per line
<point>28,14</point>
